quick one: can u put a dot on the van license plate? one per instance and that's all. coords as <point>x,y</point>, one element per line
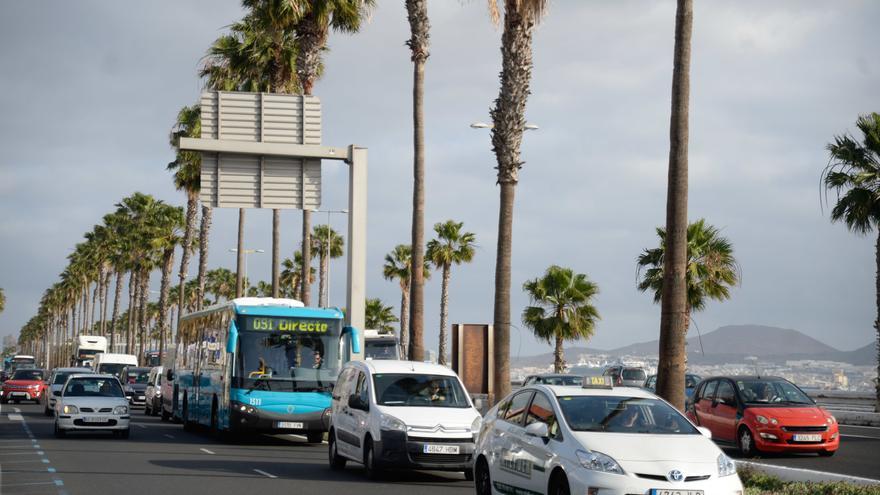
<point>807,438</point>
<point>441,449</point>
<point>664,491</point>
<point>289,425</point>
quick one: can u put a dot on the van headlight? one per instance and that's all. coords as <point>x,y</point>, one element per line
<point>598,461</point>
<point>69,409</point>
<point>475,427</point>
<point>392,423</point>
<point>120,410</point>
<point>726,466</point>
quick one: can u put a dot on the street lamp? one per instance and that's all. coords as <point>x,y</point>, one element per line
<point>483,125</point>
<point>246,252</point>
<point>327,284</point>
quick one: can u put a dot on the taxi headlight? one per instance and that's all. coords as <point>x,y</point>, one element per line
<point>726,466</point>
<point>598,461</point>
<point>120,410</point>
<point>392,423</point>
<point>69,409</point>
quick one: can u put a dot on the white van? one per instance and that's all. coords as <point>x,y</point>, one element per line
<point>114,363</point>
<point>402,414</point>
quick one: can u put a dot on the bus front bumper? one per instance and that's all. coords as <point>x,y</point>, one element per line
<point>243,417</point>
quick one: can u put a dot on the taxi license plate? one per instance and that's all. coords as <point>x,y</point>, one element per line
<point>666,491</point>
<point>94,419</point>
<point>289,424</point>
<point>441,449</point>
<point>807,438</point>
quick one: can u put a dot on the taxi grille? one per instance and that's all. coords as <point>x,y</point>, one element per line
<point>658,477</point>
<point>805,428</point>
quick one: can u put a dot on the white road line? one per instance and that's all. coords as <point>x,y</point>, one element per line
<point>22,453</point>
<point>16,409</point>
<point>140,425</point>
<point>866,427</point>
<point>264,473</point>
<point>29,484</point>
<point>16,417</point>
<point>813,471</point>
<point>207,451</point>
<point>843,435</point>
<point>168,436</point>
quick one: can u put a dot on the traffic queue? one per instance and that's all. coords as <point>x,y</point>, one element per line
<point>556,434</point>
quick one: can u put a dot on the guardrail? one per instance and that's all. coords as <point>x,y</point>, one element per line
<point>850,408</point>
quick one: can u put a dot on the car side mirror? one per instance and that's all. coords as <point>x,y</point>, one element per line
<point>355,402</point>
<point>706,432</point>
<point>170,375</point>
<point>151,384</point>
<point>538,429</point>
<point>56,393</point>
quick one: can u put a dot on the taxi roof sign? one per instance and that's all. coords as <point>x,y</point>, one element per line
<point>597,382</point>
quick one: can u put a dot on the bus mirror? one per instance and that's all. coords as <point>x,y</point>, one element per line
<point>355,336</point>
<point>232,342</point>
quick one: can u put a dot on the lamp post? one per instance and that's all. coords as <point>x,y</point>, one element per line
<point>246,252</point>
<point>327,282</point>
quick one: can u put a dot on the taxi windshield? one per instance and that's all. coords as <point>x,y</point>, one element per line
<point>419,390</point>
<point>623,415</point>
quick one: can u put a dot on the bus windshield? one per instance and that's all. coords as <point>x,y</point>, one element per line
<point>287,354</point>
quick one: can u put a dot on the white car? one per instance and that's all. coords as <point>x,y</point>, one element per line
<point>596,440</point>
<point>56,382</point>
<point>91,402</point>
<point>153,392</point>
<point>401,415</point>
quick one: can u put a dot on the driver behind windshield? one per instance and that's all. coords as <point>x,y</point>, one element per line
<point>432,391</point>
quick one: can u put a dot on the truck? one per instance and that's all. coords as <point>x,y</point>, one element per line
<point>87,349</point>
<point>380,346</point>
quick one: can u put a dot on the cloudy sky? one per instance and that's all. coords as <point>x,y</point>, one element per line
<point>90,90</point>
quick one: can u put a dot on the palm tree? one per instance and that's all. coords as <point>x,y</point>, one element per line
<point>508,117</point>
<point>2,300</point>
<point>187,167</point>
<point>221,284</point>
<point>711,267</point>
<point>262,289</point>
<point>318,17</point>
<point>854,174</point>
<point>673,307</point>
<point>562,309</point>
<point>417,14</point>
<point>379,317</point>
<point>290,275</point>
<point>168,231</point>
<point>397,266</point>
<point>452,247</point>
<point>329,245</point>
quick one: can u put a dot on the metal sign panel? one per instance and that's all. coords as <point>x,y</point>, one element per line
<point>234,180</point>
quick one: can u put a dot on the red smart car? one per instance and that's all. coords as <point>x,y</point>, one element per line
<point>763,414</point>
<point>24,384</point>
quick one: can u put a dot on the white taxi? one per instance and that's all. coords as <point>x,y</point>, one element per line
<point>596,440</point>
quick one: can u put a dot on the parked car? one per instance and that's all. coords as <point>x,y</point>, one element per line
<point>153,392</point>
<point>92,402</point>
<point>56,381</point>
<point>554,379</point>
<point>24,384</point>
<point>690,384</point>
<point>401,415</point>
<point>596,439</point>
<point>626,376</point>
<point>763,414</point>
<point>134,384</point>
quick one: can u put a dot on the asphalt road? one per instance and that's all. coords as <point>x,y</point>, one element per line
<point>162,458</point>
<point>857,456</point>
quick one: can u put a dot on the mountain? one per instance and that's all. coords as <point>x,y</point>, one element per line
<point>732,344</point>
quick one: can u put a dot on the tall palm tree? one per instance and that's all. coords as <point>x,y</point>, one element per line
<point>711,267</point>
<point>562,309</point>
<point>508,118</point>
<point>417,14</point>
<point>290,275</point>
<point>673,308</point>
<point>378,316</point>
<point>168,231</point>
<point>2,300</point>
<point>187,168</point>
<point>397,267</point>
<point>328,244</point>
<point>318,17</point>
<point>854,174</point>
<point>221,284</point>
<point>451,247</point>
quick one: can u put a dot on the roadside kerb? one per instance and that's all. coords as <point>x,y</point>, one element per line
<point>786,473</point>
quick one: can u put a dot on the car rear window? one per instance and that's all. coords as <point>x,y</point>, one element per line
<point>634,374</point>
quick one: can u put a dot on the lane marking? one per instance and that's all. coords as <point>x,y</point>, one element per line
<point>207,451</point>
<point>865,427</point>
<point>15,417</point>
<point>29,484</point>
<point>168,436</point>
<point>23,452</point>
<point>139,425</point>
<point>16,409</point>
<point>859,436</point>
<point>814,471</point>
<point>264,473</point>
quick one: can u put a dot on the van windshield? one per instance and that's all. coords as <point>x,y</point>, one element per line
<point>419,390</point>
<point>114,369</point>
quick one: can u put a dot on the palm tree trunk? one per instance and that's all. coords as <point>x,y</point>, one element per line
<point>276,252</point>
<point>558,356</point>
<point>117,294</point>
<point>204,232</point>
<point>501,317</point>
<point>132,310</point>
<point>105,304</point>
<point>404,322</point>
<point>324,261</point>
<point>144,313</point>
<point>167,267</point>
<point>444,314</point>
<point>239,262</point>
<point>192,206</point>
<point>673,336</point>
<point>306,290</point>
<point>877,322</point>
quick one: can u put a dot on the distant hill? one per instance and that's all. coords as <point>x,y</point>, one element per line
<point>733,343</point>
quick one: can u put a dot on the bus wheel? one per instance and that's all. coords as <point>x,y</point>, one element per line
<point>315,436</point>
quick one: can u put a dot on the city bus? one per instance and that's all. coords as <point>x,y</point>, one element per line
<point>259,365</point>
